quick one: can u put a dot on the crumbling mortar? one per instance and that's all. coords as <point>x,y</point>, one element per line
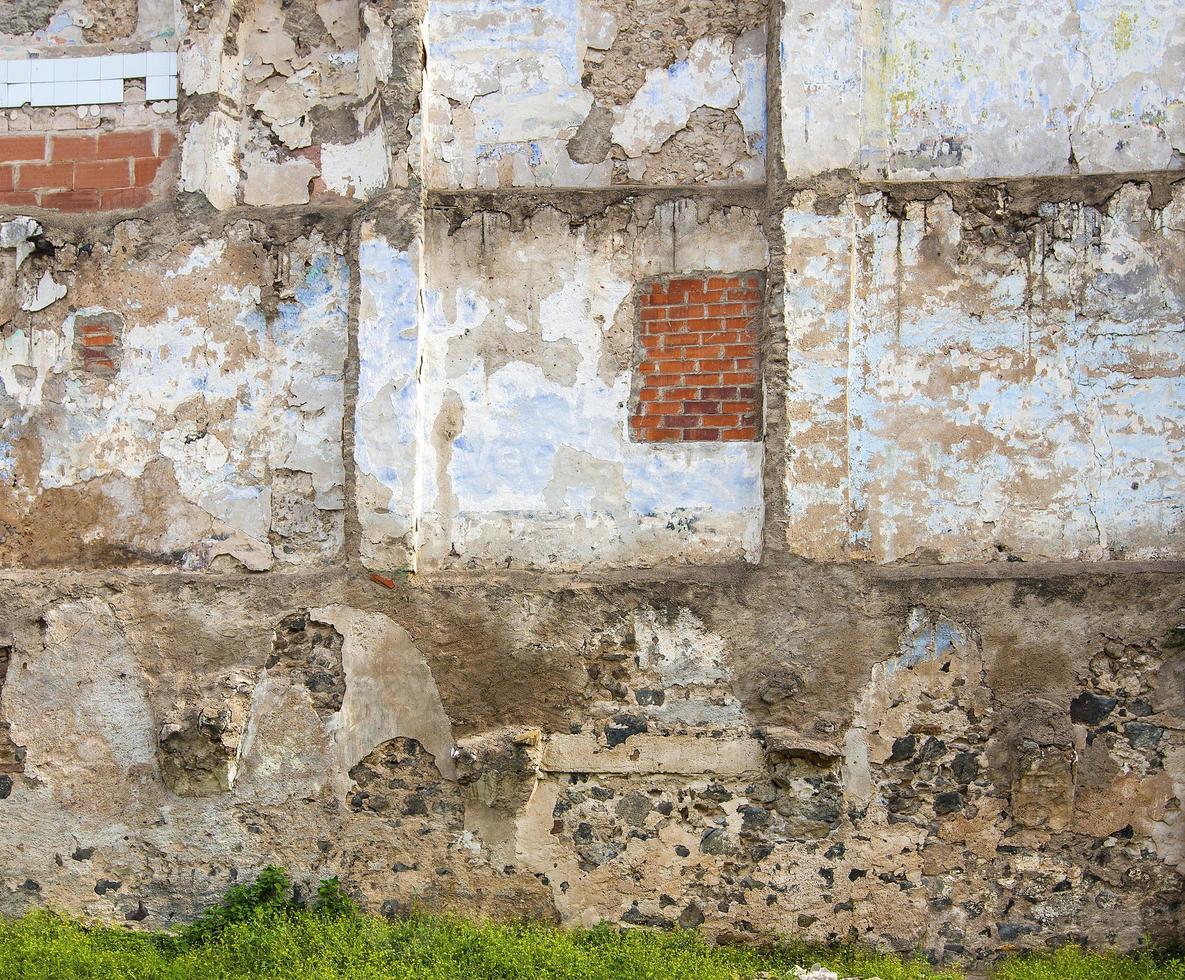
<point>774,343</point>
<point>352,530</point>
<point>520,204</point>
<point>1023,196</point>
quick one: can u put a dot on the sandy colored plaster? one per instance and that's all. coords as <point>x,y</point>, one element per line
<point>595,102</point>
<point>205,384</point>
<point>567,285</point>
<point>1022,373</point>
<point>644,754</point>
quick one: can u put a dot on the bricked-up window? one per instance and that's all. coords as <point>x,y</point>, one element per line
<point>697,377</point>
<point>83,171</point>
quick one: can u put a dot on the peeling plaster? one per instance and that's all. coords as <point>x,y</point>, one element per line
<point>222,401</point>
<point>488,488</point>
<point>1036,397</point>
<point>501,111</point>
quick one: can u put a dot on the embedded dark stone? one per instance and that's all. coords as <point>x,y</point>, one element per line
<point>623,727</point>
<point>634,808</point>
<point>636,917</point>
<point>903,748</point>
<point>1140,735</point>
<point>715,841</point>
<point>945,803</point>
<point>965,767</point>
<point>932,749</point>
<point>1090,709</point>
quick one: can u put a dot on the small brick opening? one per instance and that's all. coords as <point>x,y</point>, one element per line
<point>697,375</point>
<point>98,343</point>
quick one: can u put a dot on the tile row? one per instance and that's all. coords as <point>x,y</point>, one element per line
<point>86,81</point>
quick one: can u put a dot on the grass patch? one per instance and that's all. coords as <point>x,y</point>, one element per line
<point>259,932</point>
<point>308,945</point>
<point>1072,963</point>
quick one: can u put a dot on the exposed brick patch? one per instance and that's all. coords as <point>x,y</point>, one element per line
<point>47,176</point>
<point>18,148</point>
<point>99,174</point>
<point>74,146</point>
<point>86,171</point>
<point>697,360</point>
<point>97,339</point>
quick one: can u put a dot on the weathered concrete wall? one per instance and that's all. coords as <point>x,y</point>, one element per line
<point>212,427</point>
<point>514,430</point>
<point>577,93</point>
<point>957,765</point>
<point>329,535</point>
<point>971,90</point>
<point>970,383</point>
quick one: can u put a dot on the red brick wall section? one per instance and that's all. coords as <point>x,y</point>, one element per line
<point>698,361</point>
<point>76,171</point>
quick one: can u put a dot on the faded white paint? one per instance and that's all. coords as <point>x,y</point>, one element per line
<point>822,98</point>
<point>993,405</point>
<point>218,392</point>
<point>524,455</point>
<point>932,89</point>
<point>505,93</point>
<point>386,420</point>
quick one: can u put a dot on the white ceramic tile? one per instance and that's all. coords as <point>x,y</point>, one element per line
<point>111,66</point>
<point>159,88</point>
<point>65,93</point>
<point>110,91</point>
<point>86,81</point>
<point>160,63</point>
<point>89,68</point>
<point>42,93</point>
<point>135,65</point>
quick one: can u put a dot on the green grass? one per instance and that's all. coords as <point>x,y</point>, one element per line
<point>306,945</point>
<point>258,932</point>
<point>1072,963</point>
